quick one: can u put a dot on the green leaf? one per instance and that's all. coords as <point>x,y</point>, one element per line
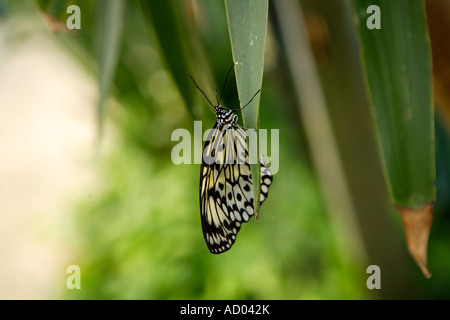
<point>247,24</point>
<point>397,63</point>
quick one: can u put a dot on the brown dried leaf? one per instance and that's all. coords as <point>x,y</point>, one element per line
<point>417,225</point>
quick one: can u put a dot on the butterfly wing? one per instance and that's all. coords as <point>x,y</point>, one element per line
<point>226,188</point>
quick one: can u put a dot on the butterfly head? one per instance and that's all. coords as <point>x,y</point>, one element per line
<point>225,116</point>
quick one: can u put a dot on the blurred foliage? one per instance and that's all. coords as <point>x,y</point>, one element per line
<point>142,236</point>
<point>138,231</point>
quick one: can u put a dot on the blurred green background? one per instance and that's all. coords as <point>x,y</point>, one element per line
<point>134,227</point>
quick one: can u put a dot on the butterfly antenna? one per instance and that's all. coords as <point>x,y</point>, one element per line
<point>226,78</point>
<point>249,101</point>
<point>204,94</point>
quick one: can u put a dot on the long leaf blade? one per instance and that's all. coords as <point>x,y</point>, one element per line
<point>397,63</point>
<point>247,24</point>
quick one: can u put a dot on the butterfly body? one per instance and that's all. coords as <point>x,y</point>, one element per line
<point>226,185</point>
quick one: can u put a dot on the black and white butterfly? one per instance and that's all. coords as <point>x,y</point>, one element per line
<point>226,186</point>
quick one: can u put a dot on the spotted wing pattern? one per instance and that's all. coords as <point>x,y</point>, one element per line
<point>226,187</point>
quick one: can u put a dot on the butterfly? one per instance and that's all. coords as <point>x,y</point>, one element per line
<point>226,187</point>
